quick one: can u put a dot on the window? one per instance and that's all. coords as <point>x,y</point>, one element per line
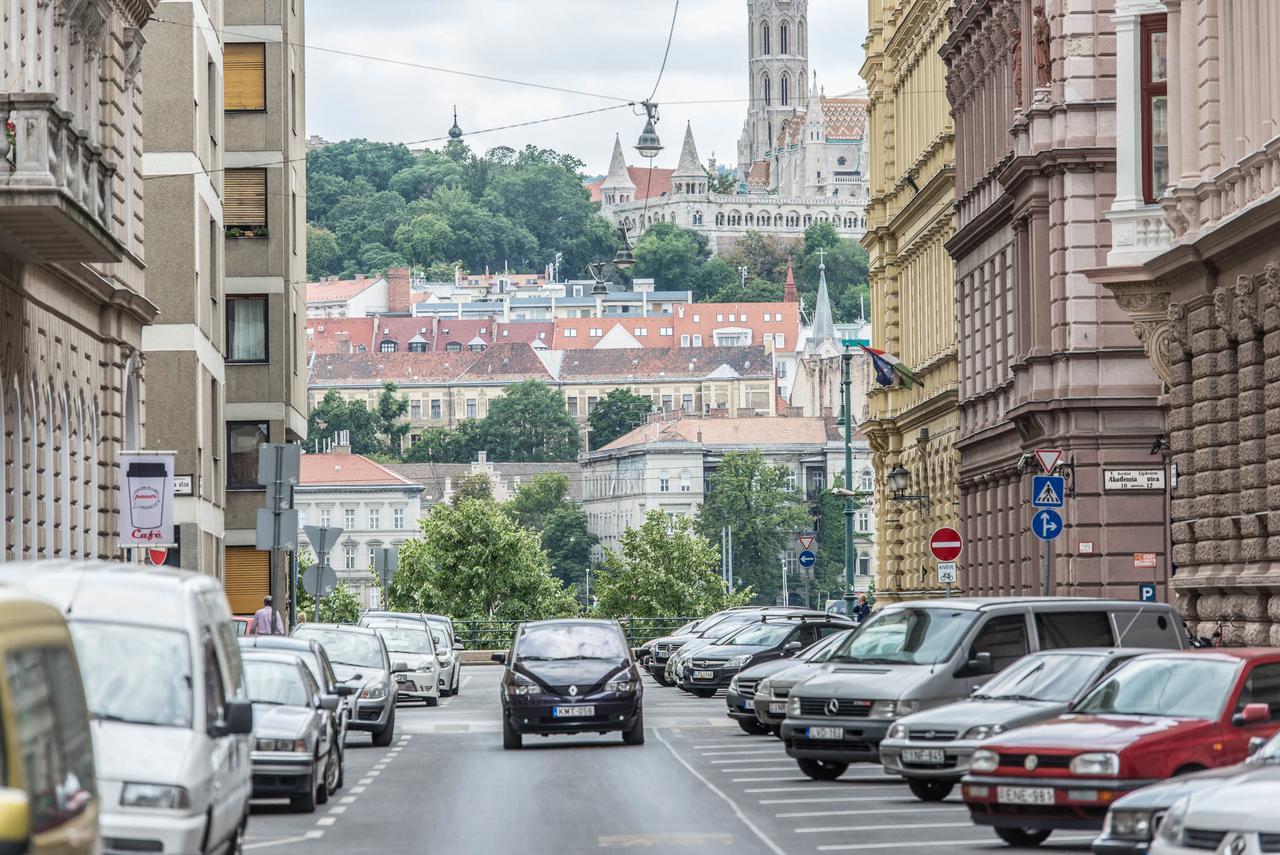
<point>435,409</point>
<point>664,483</point>
<point>768,100</point>
<point>866,481</point>
<point>247,329</point>
<point>244,67</point>
<point>731,317</point>
<point>665,331</point>
<point>375,518</point>
<point>1005,638</point>
<point>349,555</point>
<point>243,441</point>
<point>595,332</point>
<point>686,402</point>
<point>640,331</point>
<point>453,347</point>
<point>864,564</point>
<point>686,481</point>
<point>782,371</point>
<point>779,341</point>
<point>790,481</point>
<point>215,695</point>
<point>591,403</point>
<point>784,42</point>
<point>573,405</point>
<point>349,518</point>
<point>244,199</point>
<point>397,518</point>
<point>326,518</point>
<point>697,341</point>
<point>387,346</point>
<point>418,346</point>
<point>862,521</point>
<point>471,408</point>
<point>1074,629</point>
<point>668,403</point>
<point>570,332</point>
<point>1155,106</point>
<point>719,319</point>
<point>764,38</point>
<point>697,319</point>
<point>1262,686</point>
<point>684,341</point>
<point>786,90</point>
<point>415,409</point>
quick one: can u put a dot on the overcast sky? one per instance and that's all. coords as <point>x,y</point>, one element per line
<point>611,47</point>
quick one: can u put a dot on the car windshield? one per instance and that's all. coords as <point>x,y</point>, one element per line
<point>758,635</point>
<point>345,647</point>
<point>437,638</point>
<point>135,674</point>
<point>822,651</point>
<point>730,624</point>
<point>570,641</point>
<point>1043,677</point>
<point>1269,752</point>
<point>274,683</point>
<point>402,640</point>
<point>907,636</point>
<point>1183,688</point>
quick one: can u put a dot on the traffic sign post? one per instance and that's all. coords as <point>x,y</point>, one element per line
<point>1048,491</point>
<point>385,561</point>
<point>279,468</point>
<point>1147,592</point>
<point>947,574</point>
<point>946,546</point>
<point>806,559</point>
<point>1047,525</point>
<point>319,580</point>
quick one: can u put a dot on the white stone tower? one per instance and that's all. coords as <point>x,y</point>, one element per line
<point>690,177</point>
<point>618,187</point>
<point>778,65</point>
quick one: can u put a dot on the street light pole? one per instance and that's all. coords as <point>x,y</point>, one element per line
<point>850,551</point>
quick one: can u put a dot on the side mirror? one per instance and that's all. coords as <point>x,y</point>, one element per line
<point>237,720</point>
<point>15,821</point>
<point>399,667</point>
<point>1252,714</point>
<point>1256,744</point>
<point>342,690</point>
<point>791,647</point>
<point>500,658</point>
<point>457,645</point>
<point>979,665</point>
<point>329,702</point>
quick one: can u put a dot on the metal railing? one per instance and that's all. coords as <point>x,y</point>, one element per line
<point>497,634</point>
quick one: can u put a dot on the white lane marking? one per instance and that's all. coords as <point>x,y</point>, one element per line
<point>922,844</point>
<point>844,788</point>
<point>739,812</point>
<point>822,800</point>
<point>283,840</point>
<point>338,809</point>
<point>347,800</point>
<point>465,680</point>
<point>313,835</point>
<point>756,759</point>
<point>364,782</point>
<point>373,773</point>
<point>326,820</point>
<point>770,778</point>
<point>357,789</point>
<point>899,827</point>
<point>810,814</point>
<point>756,751</point>
<point>736,743</point>
<point>759,769</point>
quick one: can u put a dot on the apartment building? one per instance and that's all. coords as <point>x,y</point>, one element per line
<point>73,298</point>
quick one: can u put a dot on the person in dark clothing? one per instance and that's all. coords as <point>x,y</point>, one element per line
<point>862,609</point>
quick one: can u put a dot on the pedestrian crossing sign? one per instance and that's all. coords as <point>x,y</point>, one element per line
<point>1048,491</point>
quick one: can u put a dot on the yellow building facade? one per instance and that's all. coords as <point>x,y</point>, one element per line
<point>909,219</point>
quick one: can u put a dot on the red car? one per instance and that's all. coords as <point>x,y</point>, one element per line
<point>1159,715</point>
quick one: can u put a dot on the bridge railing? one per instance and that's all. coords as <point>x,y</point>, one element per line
<point>497,634</point>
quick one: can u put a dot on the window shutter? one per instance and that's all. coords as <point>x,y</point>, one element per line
<point>245,76</point>
<point>244,197</point>
<point>247,578</point>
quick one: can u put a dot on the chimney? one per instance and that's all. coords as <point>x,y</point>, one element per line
<point>398,295</point>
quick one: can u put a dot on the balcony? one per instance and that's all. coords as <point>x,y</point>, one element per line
<point>55,186</point>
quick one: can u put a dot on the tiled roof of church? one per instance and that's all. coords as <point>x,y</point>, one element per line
<point>846,118</point>
<point>758,176</point>
<point>647,187</point>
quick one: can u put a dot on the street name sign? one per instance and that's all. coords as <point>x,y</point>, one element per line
<point>1048,491</point>
<point>945,544</point>
<point>1046,524</point>
<point>1144,560</point>
<point>1133,479</point>
<point>1049,458</point>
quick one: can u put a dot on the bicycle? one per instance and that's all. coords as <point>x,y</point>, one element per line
<point>1231,621</point>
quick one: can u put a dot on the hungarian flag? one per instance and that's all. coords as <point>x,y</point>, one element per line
<point>889,369</point>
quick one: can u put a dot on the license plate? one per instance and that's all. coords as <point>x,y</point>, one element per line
<point>778,709</point>
<point>826,733</point>
<point>923,755</point>
<point>1025,795</point>
<point>401,678</point>
<point>746,705</point>
<point>572,712</point>
<point>704,675</point>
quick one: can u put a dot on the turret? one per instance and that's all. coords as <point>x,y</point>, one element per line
<point>690,177</point>
<point>618,186</point>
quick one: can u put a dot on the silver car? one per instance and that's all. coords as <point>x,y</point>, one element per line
<point>932,749</point>
<point>411,643</point>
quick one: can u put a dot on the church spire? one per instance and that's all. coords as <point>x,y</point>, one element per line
<point>455,132</point>
<point>789,291</point>
<point>823,326</point>
<point>618,186</point>
<point>690,175</point>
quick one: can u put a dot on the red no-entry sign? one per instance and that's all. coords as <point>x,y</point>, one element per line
<point>945,544</point>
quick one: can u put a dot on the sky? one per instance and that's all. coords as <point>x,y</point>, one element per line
<point>603,47</point>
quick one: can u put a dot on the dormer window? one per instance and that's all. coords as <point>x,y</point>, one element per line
<point>387,346</point>
<point>453,347</point>
<point>417,347</point>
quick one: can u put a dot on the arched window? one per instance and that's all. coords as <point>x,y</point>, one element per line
<point>784,38</point>
<point>765,47</point>
<point>770,134</point>
<point>866,481</point>
<point>768,100</point>
<point>802,36</point>
<point>764,219</point>
<point>808,220</point>
<point>786,89</point>
<point>697,218</point>
<point>720,218</point>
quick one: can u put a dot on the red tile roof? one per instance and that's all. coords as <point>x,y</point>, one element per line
<point>650,183</point>
<point>377,368</point>
<point>846,118</point>
<point>339,290</point>
<point>328,335</point>
<point>730,315</point>
<point>758,176</point>
<point>347,469</point>
<point>666,362</point>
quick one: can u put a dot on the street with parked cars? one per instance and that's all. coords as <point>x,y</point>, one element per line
<point>135,718</point>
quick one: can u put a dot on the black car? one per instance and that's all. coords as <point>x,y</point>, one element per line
<point>570,676</point>
<point>771,637</point>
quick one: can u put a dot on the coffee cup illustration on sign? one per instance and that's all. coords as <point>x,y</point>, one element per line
<point>147,485</point>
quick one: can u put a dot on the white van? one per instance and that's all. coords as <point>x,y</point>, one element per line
<point>165,691</point>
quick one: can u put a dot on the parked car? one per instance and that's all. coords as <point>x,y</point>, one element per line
<point>313,655</point>
<point>44,731</point>
<point>721,628</point>
<point>1159,716</point>
<point>294,753</point>
<point>165,687</point>
<point>659,650</point>
<point>449,652</point>
<point>770,637</point>
<point>570,676</point>
<point>1237,815</point>
<point>665,648</point>
<point>773,681</point>
<point>931,749</point>
<point>411,642</point>
<point>360,659</point>
<point>1133,819</point>
<point>241,626</point>
<point>917,655</point>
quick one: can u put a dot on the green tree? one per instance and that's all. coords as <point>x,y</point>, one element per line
<point>750,494</point>
<point>529,423</point>
<point>341,606</point>
<point>440,445</point>
<point>390,413</point>
<point>323,256</point>
<point>665,567</point>
<point>473,562</point>
<point>472,488</point>
<point>425,240</point>
<point>764,256</point>
<point>335,414</point>
<point>615,414</point>
<point>755,291</point>
<point>671,255</point>
<point>716,276</point>
<point>567,542</point>
<point>846,263</point>
<point>538,498</point>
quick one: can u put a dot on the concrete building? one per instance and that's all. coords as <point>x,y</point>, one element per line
<point>362,297</point>
<point>1197,108</point>
<point>374,506</point>
<point>664,465</point>
<point>909,218</point>
<point>73,298</point>
<point>1047,359</point>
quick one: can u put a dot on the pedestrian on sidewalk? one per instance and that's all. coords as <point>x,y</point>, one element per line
<point>862,609</point>
<point>262,620</point>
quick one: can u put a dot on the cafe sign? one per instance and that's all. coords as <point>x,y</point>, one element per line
<point>146,498</point>
<point>1133,479</point>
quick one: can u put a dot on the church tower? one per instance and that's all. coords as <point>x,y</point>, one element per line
<point>778,66</point>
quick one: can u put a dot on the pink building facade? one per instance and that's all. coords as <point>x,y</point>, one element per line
<point>1047,359</point>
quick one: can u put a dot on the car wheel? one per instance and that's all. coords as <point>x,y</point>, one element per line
<point>822,770</point>
<point>930,791</point>
<point>322,787</point>
<point>661,678</point>
<point>305,803</point>
<point>635,734</point>
<point>776,730</point>
<point>331,774</point>
<point>432,702</point>
<point>382,738</point>
<point>457,681</point>
<point>753,727</point>
<point>236,846</point>
<point>510,738</point>
<point>702,693</point>
<point>1024,836</point>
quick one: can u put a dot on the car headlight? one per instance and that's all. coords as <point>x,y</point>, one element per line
<point>154,796</point>
<point>793,707</point>
<point>374,693</point>
<point>523,686</point>
<point>984,761</point>
<point>733,684</point>
<point>898,731</point>
<point>280,745</point>
<point>1128,825</point>
<point>893,709</point>
<point>764,688</point>
<point>1175,819</point>
<point>1096,763</point>
<point>738,661</point>
<point>622,684</point>
<point>983,731</point>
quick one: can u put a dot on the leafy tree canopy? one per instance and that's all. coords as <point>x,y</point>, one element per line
<point>529,423</point>
<point>475,487</point>
<point>617,413</point>
<point>335,414</point>
<point>538,498</point>
<point>543,504</point>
